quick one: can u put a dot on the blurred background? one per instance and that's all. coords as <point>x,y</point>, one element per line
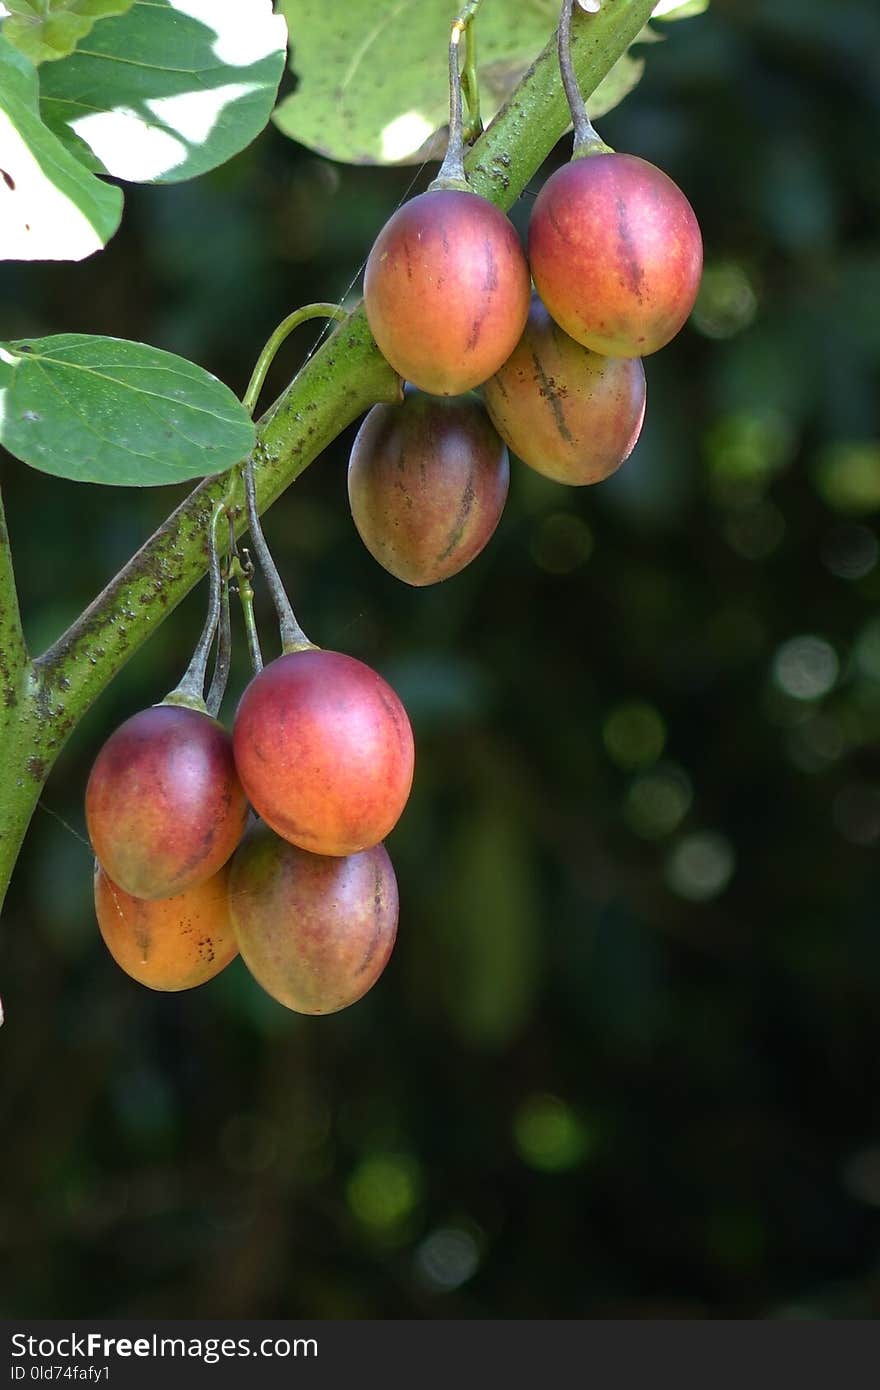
<point>625,1061</point>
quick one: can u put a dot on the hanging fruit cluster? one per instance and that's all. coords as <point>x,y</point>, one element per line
<point>322,749</point>
<point>321,746</point>
<point>615,253</point>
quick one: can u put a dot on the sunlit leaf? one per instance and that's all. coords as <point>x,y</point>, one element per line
<point>170,89</point>
<point>679,9</point>
<point>103,410</point>
<point>51,208</point>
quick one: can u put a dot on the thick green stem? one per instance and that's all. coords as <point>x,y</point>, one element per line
<point>44,702</point>
<point>13,651</point>
<point>23,771</point>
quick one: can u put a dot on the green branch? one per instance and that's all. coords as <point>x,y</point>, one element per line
<point>343,379</point>
<point>23,775</point>
<point>13,651</point>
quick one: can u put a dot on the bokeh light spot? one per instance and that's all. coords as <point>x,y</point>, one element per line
<point>701,866</point>
<point>384,1189</point>
<point>755,532</point>
<point>806,668</point>
<point>548,1134</point>
<point>447,1258</point>
<point>745,452</point>
<point>634,734</point>
<point>847,476</point>
<point>658,801</point>
<point>727,302</point>
<point>850,551</point>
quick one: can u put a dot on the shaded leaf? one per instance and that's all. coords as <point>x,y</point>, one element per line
<point>617,84</point>
<point>103,410</point>
<point>51,208</point>
<point>170,89</point>
<point>47,31</point>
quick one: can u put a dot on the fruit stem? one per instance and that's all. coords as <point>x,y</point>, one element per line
<point>191,688</point>
<point>223,659</point>
<point>469,81</point>
<point>586,139</point>
<point>293,639</point>
<point>284,329</point>
<point>243,570</point>
<point>452,173</point>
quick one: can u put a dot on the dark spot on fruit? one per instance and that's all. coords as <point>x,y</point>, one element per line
<point>555,224</point>
<point>628,255</point>
<point>8,180</point>
<point>553,399</point>
<point>378,908</point>
<point>468,497</point>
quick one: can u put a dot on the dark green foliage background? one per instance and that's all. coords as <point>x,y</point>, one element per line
<point>577,1091</point>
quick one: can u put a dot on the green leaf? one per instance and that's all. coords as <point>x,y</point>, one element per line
<point>170,89</point>
<point>50,208</point>
<point>103,410</point>
<point>45,30</point>
<point>373,87</point>
<point>617,84</point>
<point>679,9</point>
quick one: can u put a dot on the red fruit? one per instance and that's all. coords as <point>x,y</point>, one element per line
<point>446,290</point>
<point>164,806</point>
<point>567,412</point>
<point>324,750</point>
<point>315,932</point>
<point>427,483</point>
<point>616,253</point>
<point>169,943</point>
